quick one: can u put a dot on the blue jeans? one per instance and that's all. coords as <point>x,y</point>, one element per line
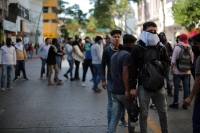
<point>58,61</point>
<point>44,62</point>
<point>119,102</point>
<point>6,69</point>
<point>186,85</point>
<point>71,67</point>
<point>196,118</point>
<point>97,74</point>
<point>20,66</point>
<point>110,103</point>
<point>169,89</point>
<point>159,99</point>
<point>31,54</point>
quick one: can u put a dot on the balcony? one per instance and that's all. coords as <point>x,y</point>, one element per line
<point>3,14</point>
<point>50,16</point>
<point>52,3</point>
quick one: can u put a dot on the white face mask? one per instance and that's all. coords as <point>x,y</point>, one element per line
<point>149,39</point>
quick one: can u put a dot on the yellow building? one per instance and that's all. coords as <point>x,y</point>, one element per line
<point>50,19</point>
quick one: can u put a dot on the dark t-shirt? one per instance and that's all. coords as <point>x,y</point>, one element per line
<point>118,60</point>
<point>197,72</point>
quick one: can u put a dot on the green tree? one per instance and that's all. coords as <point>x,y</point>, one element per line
<point>186,13</point>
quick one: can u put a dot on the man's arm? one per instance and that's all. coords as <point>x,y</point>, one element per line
<point>195,90</point>
<point>98,50</point>
<point>40,50</point>
<point>14,58</point>
<point>165,60</point>
<point>103,67</point>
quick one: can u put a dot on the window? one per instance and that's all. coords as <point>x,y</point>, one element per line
<point>45,10</point>
<point>45,21</point>
<point>1,5</point>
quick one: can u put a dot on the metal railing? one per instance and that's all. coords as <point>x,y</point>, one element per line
<point>3,14</point>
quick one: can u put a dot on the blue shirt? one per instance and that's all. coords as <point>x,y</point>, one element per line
<point>87,47</point>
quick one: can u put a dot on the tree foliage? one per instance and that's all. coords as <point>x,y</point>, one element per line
<point>186,13</point>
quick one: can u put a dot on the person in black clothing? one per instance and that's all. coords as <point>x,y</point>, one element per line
<point>148,38</point>
<point>51,62</point>
<point>168,46</point>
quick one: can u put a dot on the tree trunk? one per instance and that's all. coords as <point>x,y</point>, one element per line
<point>163,12</point>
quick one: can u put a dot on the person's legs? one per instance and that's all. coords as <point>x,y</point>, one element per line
<point>169,89</point>
<point>98,76</point>
<point>17,69</point>
<point>3,74</point>
<point>186,85</point>
<point>159,99</point>
<point>91,67</point>
<point>23,68</point>
<point>109,106</point>
<point>9,70</point>
<point>71,66</point>
<point>196,118</point>
<point>50,73</point>
<point>95,73</point>
<point>85,68</point>
<point>77,63</point>
<point>177,80</point>
<point>43,67</point>
<point>144,100</point>
<point>116,114</point>
<point>55,67</point>
<point>47,68</point>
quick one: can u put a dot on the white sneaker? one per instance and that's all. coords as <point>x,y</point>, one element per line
<point>83,84</point>
<point>2,89</point>
<point>9,88</point>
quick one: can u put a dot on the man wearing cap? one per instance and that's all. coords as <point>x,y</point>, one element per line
<point>106,58</point>
<point>88,59</point>
<point>180,75</point>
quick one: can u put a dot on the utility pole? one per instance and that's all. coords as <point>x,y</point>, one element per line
<point>37,31</point>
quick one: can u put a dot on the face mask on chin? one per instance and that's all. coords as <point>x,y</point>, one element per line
<point>195,50</point>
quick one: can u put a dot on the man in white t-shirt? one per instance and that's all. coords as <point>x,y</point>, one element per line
<point>7,60</point>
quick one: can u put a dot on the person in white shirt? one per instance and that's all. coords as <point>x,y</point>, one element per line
<point>7,60</point>
<point>43,53</point>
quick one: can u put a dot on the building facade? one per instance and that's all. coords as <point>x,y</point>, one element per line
<point>50,19</point>
<point>151,10</point>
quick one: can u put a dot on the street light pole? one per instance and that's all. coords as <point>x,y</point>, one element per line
<point>37,31</point>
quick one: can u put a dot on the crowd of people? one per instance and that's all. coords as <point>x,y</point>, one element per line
<point>135,69</point>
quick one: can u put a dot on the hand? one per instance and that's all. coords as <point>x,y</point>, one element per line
<point>127,95</point>
<point>14,66</point>
<point>133,93</point>
<point>104,85</point>
<point>188,101</point>
<point>172,72</point>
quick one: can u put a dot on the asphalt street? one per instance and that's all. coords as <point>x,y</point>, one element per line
<point>35,107</point>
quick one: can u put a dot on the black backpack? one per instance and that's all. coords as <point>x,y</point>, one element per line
<point>152,73</point>
<point>184,60</point>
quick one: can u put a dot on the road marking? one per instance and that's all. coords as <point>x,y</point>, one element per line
<point>151,123</point>
<point>154,127</point>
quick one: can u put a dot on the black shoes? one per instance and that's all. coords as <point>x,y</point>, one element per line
<point>66,76</point>
<point>174,105</point>
<point>25,78</point>
<point>184,106</point>
<point>15,79</point>
<point>71,79</point>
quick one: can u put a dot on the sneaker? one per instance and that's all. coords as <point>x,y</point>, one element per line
<point>95,90</point>
<point>184,106</point>
<point>83,84</point>
<point>43,75</point>
<point>124,123</point>
<point>99,89</point>
<point>71,79</point>
<point>66,76</point>
<point>15,79</point>
<point>174,105</point>
<point>77,78</point>
<point>26,78</point>
<point>9,88</point>
<point>107,130</point>
<point>152,106</point>
<point>2,89</point>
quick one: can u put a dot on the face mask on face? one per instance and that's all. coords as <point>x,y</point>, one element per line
<point>195,50</point>
<point>150,39</point>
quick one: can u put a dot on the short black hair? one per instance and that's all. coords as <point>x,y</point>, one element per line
<point>18,40</point>
<point>54,41</point>
<point>8,40</point>
<point>75,43</point>
<point>149,24</point>
<point>128,38</point>
<point>69,38</point>
<point>113,32</point>
<point>46,39</point>
<point>97,38</point>
<point>196,38</point>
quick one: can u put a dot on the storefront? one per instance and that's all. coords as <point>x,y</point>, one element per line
<point>25,28</point>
